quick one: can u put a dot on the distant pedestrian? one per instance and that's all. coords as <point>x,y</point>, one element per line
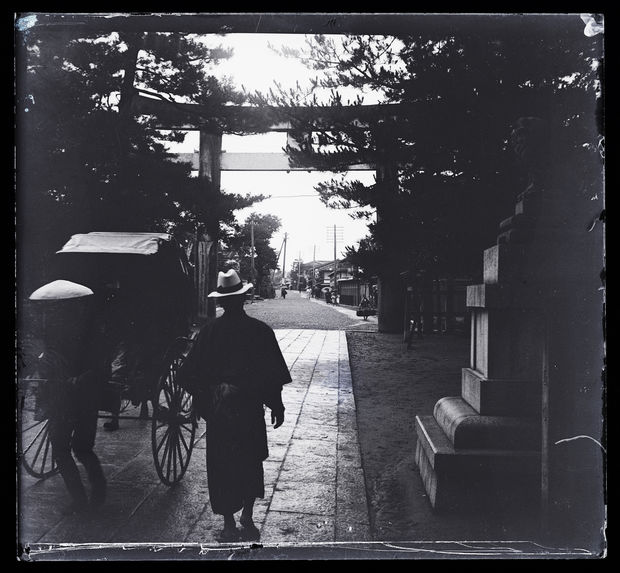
<point>236,369</point>
<point>308,292</point>
<point>364,307</point>
<point>283,292</point>
<point>74,365</point>
<point>328,296</point>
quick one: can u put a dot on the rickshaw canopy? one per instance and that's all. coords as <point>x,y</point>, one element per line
<point>116,243</point>
<point>147,265</point>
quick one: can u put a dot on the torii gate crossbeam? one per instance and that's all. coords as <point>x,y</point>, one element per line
<point>255,162</point>
<point>210,161</point>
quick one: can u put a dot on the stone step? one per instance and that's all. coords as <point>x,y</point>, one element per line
<point>500,397</point>
<point>504,263</point>
<point>473,479</point>
<point>498,264</point>
<point>529,203</point>
<point>518,220</point>
<point>506,342</point>
<point>444,456</point>
<point>467,429</point>
<point>533,259</point>
<point>487,296</point>
<point>515,235</point>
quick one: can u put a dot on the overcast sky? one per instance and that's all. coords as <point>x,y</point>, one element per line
<point>304,218</point>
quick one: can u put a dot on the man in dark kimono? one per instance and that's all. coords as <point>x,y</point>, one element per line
<point>237,368</point>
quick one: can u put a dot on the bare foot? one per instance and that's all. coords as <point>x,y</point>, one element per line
<point>249,531</point>
<point>228,534</point>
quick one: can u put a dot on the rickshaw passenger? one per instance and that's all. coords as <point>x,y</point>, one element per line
<point>117,337</point>
<point>155,320</point>
<point>150,309</point>
<point>74,389</point>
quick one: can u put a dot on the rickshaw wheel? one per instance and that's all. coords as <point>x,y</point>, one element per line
<point>34,444</point>
<point>173,425</point>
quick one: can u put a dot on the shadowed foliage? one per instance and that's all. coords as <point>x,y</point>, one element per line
<point>447,170</point>
<point>85,162</point>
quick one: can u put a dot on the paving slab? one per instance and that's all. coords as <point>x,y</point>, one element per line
<point>123,501</point>
<point>311,431</point>
<point>289,528</point>
<point>313,497</point>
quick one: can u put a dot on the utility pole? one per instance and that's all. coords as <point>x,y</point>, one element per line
<point>273,271</point>
<point>335,260</point>
<point>284,260</point>
<point>253,270</point>
<point>313,266</point>
<point>337,235</point>
<point>298,270</point>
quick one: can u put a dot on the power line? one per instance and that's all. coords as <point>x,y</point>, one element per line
<point>288,196</point>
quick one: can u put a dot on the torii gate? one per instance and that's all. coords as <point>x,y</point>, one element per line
<point>210,161</point>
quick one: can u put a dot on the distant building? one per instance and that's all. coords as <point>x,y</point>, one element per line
<point>324,272</point>
<point>317,271</point>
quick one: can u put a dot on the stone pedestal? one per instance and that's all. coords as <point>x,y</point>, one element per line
<point>483,448</point>
<point>529,423</point>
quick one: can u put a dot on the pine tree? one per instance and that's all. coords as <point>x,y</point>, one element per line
<point>452,174</point>
<point>265,257</point>
<point>85,161</point>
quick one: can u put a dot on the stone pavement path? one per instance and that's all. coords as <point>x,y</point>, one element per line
<point>314,483</point>
<point>298,311</point>
<point>370,324</point>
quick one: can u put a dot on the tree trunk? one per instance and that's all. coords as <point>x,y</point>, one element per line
<point>391,303</point>
<point>450,316</point>
<point>134,43</point>
<point>427,303</point>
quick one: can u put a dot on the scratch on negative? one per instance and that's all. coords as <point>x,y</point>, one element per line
<point>583,436</point>
<point>593,224</point>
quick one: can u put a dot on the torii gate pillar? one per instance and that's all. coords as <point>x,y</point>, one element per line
<point>209,172</point>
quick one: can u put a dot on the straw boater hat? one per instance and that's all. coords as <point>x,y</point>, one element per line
<point>229,284</point>
<point>60,290</point>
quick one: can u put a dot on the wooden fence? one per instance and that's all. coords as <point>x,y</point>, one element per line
<point>353,290</point>
<point>436,305</point>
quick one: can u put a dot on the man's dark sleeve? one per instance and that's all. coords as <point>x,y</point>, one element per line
<point>275,373</point>
<point>194,371</point>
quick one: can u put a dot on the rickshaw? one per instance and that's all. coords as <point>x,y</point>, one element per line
<point>150,273</point>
